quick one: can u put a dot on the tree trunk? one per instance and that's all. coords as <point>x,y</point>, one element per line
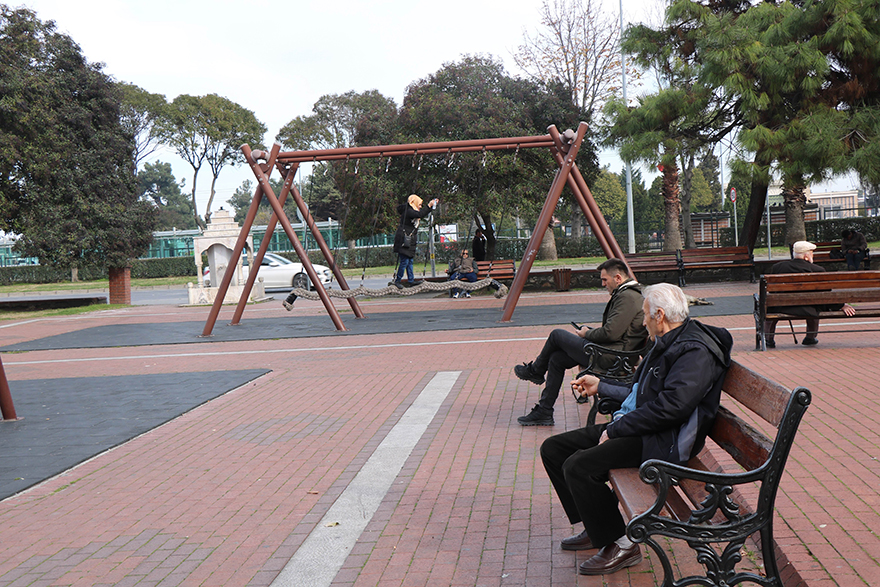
<point>757,199</point>
<point>794,199</point>
<point>210,200</point>
<point>199,222</point>
<point>547,249</point>
<point>686,194</point>
<point>74,274</point>
<point>672,206</point>
<point>577,220</point>
<point>488,232</point>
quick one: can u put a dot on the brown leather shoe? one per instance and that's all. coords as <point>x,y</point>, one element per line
<point>611,559</point>
<point>577,542</point>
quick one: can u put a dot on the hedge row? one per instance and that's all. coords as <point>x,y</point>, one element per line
<point>140,269</point>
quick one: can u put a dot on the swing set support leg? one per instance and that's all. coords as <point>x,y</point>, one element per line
<point>288,229</point>
<point>304,210</point>
<point>239,247</point>
<point>591,211</point>
<point>562,175</point>
<point>7,410</point>
<point>264,245</point>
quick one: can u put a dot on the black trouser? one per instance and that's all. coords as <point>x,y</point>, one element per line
<point>770,328</point>
<point>562,350</point>
<point>578,468</point>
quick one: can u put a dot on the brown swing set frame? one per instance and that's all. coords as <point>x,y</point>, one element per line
<point>563,147</point>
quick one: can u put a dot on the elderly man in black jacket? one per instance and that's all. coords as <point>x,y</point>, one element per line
<point>667,415</point>
<point>621,329</point>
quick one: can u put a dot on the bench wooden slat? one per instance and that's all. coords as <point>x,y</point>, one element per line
<point>745,444</point>
<point>817,298</point>
<point>759,394</point>
<point>842,283</point>
<point>496,269</point>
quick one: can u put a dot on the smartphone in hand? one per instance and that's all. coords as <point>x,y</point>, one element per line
<point>578,327</point>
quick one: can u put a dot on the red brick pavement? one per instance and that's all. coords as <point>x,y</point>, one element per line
<point>225,494</point>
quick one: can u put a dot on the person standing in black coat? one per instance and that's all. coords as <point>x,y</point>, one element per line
<point>406,238</point>
<point>479,245</point>
<point>667,415</point>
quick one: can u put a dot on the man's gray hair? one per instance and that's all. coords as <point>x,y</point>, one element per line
<point>670,298</point>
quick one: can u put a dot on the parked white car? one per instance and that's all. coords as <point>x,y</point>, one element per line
<point>280,273</point>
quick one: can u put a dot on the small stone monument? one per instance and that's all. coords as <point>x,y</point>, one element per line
<point>218,242</point>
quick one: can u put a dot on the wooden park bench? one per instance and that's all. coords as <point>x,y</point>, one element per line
<point>814,289</point>
<point>498,269</point>
<point>717,258</point>
<point>702,503</point>
<point>822,254</point>
<point>655,261</point>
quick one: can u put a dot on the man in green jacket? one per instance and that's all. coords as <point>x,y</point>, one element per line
<point>621,329</point>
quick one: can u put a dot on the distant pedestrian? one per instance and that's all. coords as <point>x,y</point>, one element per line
<point>406,238</point>
<point>479,245</point>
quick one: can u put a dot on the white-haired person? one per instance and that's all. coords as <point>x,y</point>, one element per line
<point>406,238</point>
<point>667,414</point>
<point>801,263</point>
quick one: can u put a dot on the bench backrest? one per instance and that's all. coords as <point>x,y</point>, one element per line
<point>761,396</point>
<point>498,269</point>
<point>716,254</point>
<point>792,289</point>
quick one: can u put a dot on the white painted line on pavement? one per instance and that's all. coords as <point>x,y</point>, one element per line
<point>8,363</point>
<point>318,560</point>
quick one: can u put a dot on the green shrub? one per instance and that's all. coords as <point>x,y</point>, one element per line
<point>166,267</point>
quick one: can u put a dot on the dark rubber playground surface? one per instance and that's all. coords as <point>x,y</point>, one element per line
<point>123,335</point>
<point>67,421</point>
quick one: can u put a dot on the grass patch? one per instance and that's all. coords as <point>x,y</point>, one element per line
<point>30,315</point>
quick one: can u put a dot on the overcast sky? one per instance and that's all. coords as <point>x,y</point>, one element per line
<point>277,57</point>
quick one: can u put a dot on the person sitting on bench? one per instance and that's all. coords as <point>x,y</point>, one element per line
<point>670,408</point>
<point>853,247</point>
<point>621,329</point>
<point>802,263</point>
<point>464,269</point>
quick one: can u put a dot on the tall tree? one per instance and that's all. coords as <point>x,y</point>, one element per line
<point>157,184</point>
<point>185,128</point>
<point>577,46</point>
<point>609,195</point>
<point>67,182</point>
<point>231,126</point>
<point>360,195</point>
<point>209,129</point>
<point>141,110</point>
<point>577,49</point>
<point>475,98</point>
<point>680,120</point>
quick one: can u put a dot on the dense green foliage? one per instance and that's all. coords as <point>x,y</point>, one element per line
<point>67,182</point>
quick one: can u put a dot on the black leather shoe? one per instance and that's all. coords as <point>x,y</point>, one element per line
<point>809,341</point>
<point>577,542</point>
<point>537,417</point>
<point>611,559</point>
<point>771,344</point>
<point>527,373</point>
